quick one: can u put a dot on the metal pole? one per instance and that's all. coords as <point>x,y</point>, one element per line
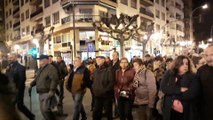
<point>211,32</point>
<point>74,37</point>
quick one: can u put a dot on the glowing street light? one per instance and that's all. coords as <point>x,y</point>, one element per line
<point>16,47</point>
<point>205,6</point>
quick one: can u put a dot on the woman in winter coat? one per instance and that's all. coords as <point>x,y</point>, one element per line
<point>181,90</point>
<point>124,91</point>
<point>146,90</point>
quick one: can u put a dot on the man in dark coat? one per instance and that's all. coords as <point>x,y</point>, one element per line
<point>63,72</point>
<point>17,72</point>
<point>46,81</point>
<point>102,86</point>
<point>114,64</point>
<point>204,74</point>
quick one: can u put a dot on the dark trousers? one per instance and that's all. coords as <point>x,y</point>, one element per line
<point>61,91</point>
<point>125,108</point>
<point>100,103</point>
<point>176,115</point>
<point>21,106</point>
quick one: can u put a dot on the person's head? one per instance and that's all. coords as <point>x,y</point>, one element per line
<point>100,60</point>
<point>107,59</point>
<point>137,64</point>
<point>168,63</point>
<point>157,62</point>
<point>147,57</point>
<point>12,57</point>
<point>209,55</point>
<point>115,56</point>
<point>59,59</point>
<point>201,62</point>
<point>124,63</point>
<point>50,58</point>
<point>182,65</point>
<point>198,61</point>
<point>77,62</point>
<point>43,60</point>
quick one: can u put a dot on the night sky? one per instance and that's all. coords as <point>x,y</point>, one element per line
<point>203,28</point>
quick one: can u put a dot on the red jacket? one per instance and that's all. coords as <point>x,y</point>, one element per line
<point>124,81</point>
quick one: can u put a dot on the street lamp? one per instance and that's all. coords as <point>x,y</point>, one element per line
<point>205,6</point>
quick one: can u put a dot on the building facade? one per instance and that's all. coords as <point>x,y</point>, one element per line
<point>28,20</point>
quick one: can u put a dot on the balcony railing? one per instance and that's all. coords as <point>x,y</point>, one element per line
<point>17,37</point>
<point>35,2</point>
<point>15,2</point>
<point>147,2</point>
<point>16,10</point>
<point>143,11</point>
<point>66,3</point>
<point>80,18</point>
<point>36,12</point>
<point>16,24</point>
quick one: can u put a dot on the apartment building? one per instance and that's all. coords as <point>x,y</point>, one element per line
<point>72,21</point>
<point>169,26</point>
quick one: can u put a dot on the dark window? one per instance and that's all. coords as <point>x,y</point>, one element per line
<point>57,39</point>
<point>47,21</point>
<point>28,30</point>
<point>10,24</point>
<point>10,12</point>
<point>54,1</point>
<point>26,1</point>
<point>163,16</point>
<point>82,42</point>
<point>157,14</point>
<point>6,14</point>
<point>157,1</point>
<point>27,14</point>
<point>22,16</point>
<point>46,3</point>
<point>56,18</point>
<point>22,2</point>
<point>163,3</point>
<point>6,2</point>
<point>7,26</point>
<point>125,2</point>
<point>134,4</point>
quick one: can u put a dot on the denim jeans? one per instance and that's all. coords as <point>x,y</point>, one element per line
<point>78,106</point>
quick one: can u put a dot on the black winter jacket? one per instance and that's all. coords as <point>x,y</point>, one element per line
<point>103,82</point>
<point>171,88</point>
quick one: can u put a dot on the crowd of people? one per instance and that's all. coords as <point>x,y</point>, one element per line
<point>158,88</point>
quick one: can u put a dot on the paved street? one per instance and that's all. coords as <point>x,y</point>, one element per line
<point>68,102</point>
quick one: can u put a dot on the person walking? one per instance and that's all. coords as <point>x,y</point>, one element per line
<point>204,75</point>
<point>63,72</point>
<point>78,80</point>
<point>103,89</point>
<point>46,81</point>
<point>17,73</point>
<point>124,91</point>
<point>145,93</point>
<point>181,89</point>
